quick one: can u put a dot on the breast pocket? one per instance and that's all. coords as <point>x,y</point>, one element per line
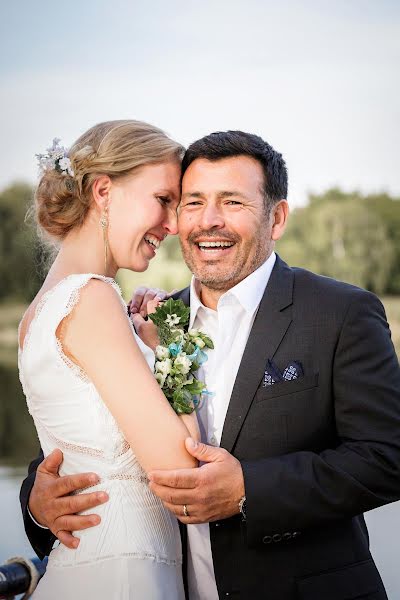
<point>287,387</point>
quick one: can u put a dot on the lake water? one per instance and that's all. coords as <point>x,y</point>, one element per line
<point>383,525</point>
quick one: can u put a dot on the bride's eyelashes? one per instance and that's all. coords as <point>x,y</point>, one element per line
<point>164,200</point>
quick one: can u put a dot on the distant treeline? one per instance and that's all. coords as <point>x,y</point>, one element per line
<point>349,236</point>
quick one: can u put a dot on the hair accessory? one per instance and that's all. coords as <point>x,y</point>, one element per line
<point>55,159</point>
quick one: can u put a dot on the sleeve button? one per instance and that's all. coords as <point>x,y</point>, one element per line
<point>296,534</point>
<point>267,539</point>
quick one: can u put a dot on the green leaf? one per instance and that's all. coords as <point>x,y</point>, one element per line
<point>208,341</point>
<point>195,388</point>
<point>182,402</point>
<point>171,307</point>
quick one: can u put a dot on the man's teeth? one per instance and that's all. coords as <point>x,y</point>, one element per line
<point>215,244</point>
<point>155,242</point>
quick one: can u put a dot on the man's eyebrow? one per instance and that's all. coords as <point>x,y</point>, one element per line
<point>221,194</point>
<point>192,195</point>
<point>229,193</point>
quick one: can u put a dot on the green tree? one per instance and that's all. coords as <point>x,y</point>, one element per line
<point>388,209</point>
<point>20,251</point>
<point>344,236</point>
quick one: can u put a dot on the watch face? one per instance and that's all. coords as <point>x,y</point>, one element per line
<point>242,507</point>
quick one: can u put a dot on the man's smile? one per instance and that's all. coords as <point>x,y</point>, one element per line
<point>214,246</point>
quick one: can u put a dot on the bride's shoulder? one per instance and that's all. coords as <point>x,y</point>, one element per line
<point>99,303</point>
<point>99,319</point>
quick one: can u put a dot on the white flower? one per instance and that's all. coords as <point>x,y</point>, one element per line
<point>182,364</point>
<point>162,353</point>
<point>177,335</point>
<point>172,320</point>
<point>65,165</point>
<point>164,366</point>
<point>56,158</point>
<point>49,164</point>
<point>199,342</point>
<point>170,382</point>
<point>193,332</point>
<point>160,378</point>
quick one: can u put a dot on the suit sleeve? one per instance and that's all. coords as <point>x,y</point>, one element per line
<point>304,489</point>
<point>41,539</point>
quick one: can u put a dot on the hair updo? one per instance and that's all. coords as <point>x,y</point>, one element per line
<point>113,148</point>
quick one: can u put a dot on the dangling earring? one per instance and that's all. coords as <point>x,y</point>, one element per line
<point>104,226</point>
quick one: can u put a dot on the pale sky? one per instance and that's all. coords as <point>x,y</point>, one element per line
<point>319,80</point>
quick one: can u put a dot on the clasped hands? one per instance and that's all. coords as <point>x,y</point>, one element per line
<point>210,492</point>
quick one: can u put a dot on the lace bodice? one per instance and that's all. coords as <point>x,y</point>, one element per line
<point>69,414</point>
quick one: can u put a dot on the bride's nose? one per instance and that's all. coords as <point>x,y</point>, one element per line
<point>170,223</point>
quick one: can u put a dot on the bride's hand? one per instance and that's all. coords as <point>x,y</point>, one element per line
<point>142,296</point>
<point>146,330</point>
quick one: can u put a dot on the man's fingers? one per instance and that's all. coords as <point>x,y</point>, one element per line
<point>174,496</point>
<point>68,539</point>
<point>52,462</point>
<point>193,517</point>
<point>181,478</point>
<point>69,505</point>
<point>70,483</point>
<point>75,523</point>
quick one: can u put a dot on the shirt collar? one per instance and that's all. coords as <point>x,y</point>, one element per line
<point>248,292</point>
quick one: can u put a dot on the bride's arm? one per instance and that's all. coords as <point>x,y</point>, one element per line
<point>98,337</point>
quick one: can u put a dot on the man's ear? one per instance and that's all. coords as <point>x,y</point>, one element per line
<point>280,213</point>
<point>101,191</point>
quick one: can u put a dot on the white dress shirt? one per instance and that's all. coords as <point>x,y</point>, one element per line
<point>229,327</point>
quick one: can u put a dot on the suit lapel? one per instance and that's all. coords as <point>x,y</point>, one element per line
<point>183,295</point>
<point>270,325</point>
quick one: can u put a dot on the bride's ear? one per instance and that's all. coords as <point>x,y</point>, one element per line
<point>101,191</point>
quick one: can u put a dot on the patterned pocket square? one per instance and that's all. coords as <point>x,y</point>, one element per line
<point>272,374</point>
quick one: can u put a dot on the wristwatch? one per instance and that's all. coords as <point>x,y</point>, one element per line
<point>242,507</point>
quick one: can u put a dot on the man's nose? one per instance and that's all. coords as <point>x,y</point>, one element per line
<point>212,217</point>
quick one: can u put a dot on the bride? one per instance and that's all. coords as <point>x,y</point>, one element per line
<point>108,203</point>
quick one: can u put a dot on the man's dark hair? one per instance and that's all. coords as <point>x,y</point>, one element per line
<point>226,144</point>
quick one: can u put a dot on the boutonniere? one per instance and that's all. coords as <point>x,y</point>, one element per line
<point>180,354</point>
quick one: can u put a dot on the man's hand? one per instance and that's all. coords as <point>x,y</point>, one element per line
<point>51,504</point>
<point>211,492</point>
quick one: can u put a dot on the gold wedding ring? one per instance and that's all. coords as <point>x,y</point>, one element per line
<point>185,511</point>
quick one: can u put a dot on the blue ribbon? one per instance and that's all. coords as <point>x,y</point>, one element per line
<point>198,356</point>
<point>175,349</point>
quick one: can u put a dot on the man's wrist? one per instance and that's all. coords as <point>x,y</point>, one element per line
<point>34,520</point>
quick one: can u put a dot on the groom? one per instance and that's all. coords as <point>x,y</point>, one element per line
<point>302,431</point>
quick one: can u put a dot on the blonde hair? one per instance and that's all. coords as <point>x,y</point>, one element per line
<point>113,148</point>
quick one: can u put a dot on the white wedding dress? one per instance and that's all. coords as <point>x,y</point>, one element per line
<point>135,552</point>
